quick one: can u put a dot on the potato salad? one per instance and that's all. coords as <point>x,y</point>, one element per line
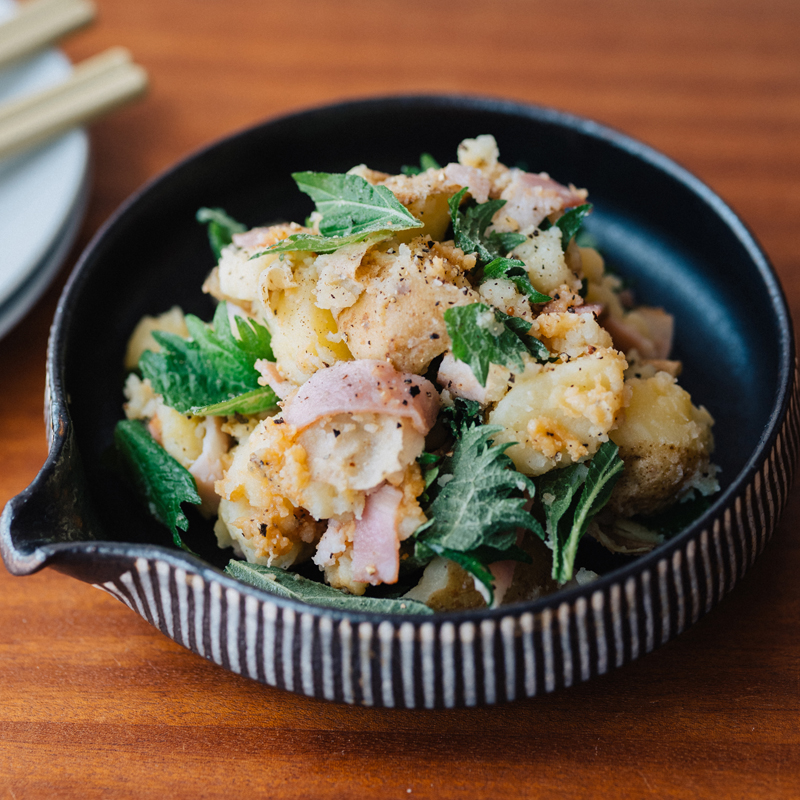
<point>430,395</point>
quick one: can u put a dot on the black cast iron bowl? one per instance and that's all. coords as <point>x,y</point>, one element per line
<point>677,242</point>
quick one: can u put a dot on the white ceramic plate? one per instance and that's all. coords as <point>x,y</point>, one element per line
<point>42,193</point>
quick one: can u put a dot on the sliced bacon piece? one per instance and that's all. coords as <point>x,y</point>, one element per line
<point>462,175</point>
<point>503,573</point>
<point>363,386</point>
<point>376,542</point>
<point>570,196</point>
<point>457,377</point>
<point>589,308</point>
<point>255,237</point>
<point>207,468</point>
<point>652,336</point>
<point>530,198</point>
<point>272,378</point>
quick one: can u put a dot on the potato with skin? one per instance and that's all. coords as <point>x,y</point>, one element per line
<point>666,443</point>
<point>400,315</point>
<point>445,586</point>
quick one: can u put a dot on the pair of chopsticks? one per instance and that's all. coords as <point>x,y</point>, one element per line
<point>95,87</point>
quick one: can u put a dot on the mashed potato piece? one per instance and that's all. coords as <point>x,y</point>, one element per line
<point>557,414</point>
<point>400,315</point>
<point>570,335</point>
<point>355,452</point>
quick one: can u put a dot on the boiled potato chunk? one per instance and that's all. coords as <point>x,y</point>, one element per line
<point>171,321</point>
<point>434,212</point>
<point>570,334</point>
<point>561,413</point>
<point>261,512</point>
<point>304,337</point>
<point>400,315</point>
<point>181,435</point>
<point>665,442</point>
<point>356,452</point>
<point>543,255</point>
<point>504,295</point>
<point>277,536</point>
<point>239,275</point>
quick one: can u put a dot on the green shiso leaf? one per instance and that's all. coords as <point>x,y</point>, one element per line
<point>311,243</point>
<point>429,466</point>
<point>513,269</point>
<point>210,371</point>
<point>482,336</point>
<point>160,481</point>
<point>521,327</point>
<point>220,226</point>
<point>479,500</point>
<point>352,211</point>
<point>261,399</point>
<point>469,229</point>
<point>462,414</point>
<point>569,223</point>
<point>349,204</point>
<point>426,162</point>
<point>289,584</point>
<point>571,497</point>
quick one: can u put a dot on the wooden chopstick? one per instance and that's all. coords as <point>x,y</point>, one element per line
<point>95,87</point>
<point>39,23</point>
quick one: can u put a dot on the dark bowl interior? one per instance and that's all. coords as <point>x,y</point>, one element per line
<point>676,243</point>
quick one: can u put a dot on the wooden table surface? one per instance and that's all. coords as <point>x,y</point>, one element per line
<point>96,703</point>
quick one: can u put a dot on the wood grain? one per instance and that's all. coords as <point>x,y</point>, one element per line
<point>96,703</point>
